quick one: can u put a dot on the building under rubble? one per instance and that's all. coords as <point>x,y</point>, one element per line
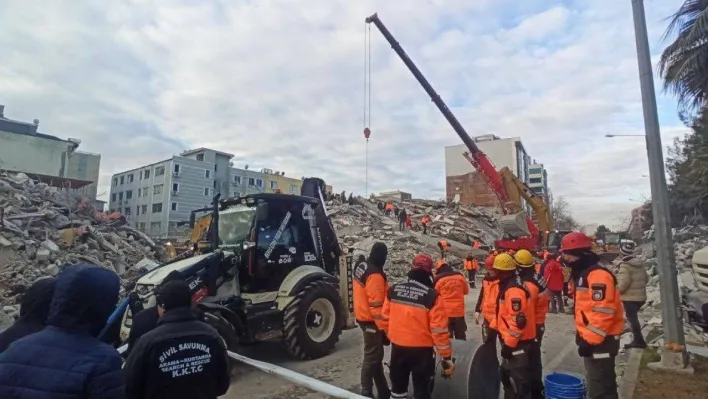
<point>48,158</point>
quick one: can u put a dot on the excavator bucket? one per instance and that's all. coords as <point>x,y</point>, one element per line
<point>515,225</point>
<point>476,372</point>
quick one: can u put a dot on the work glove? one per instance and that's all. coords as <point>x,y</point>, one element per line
<point>448,367</point>
<point>585,349</point>
<point>477,316</point>
<point>507,352</point>
<point>386,341</point>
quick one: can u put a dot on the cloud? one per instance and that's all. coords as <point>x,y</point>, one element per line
<point>279,83</point>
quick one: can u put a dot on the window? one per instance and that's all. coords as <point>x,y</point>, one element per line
<point>128,194</point>
<point>174,206</point>
<point>159,171</point>
<point>537,190</point>
<point>175,169</point>
<point>251,181</point>
<point>535,171</point>
<point>137,210</point>
<point>259,183</point>
<point>127,212</point>
<point>141,226</point>
<point>113,197</point>
<point>216,168</point>
<point>130,178</point>
<point>145,209</point>
<point>200,157</point>
<point>207,174</point>
<point>535,180</point>
<point>147,174</point>
<point>175,187</point>
<point>273,185</point>
<point>115,181</point>
<point>120,196</point>
<point>141,175</point>
<point>293,188</point>
<point>145,192</point>
<point>157,190</point>
<point>122,180</point>
<point>157,208</point>
<point>236,194</point>
<point>237,179</point>
<point>155,227</point>
<point>140,190</point>
<point>214,184</point>
<point>206,191</point>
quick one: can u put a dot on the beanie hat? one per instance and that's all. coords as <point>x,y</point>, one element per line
<point>377,256</point>
<point>174,294</point>
<point>627,249</point>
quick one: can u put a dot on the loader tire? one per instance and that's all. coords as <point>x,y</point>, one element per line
<point>313,321</point>
<point>226,331</point>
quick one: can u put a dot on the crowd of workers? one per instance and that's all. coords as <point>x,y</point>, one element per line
<point>419,317</point>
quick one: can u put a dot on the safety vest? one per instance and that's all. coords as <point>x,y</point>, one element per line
<point>598,308</point>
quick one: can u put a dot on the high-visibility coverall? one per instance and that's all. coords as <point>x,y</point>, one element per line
<point>471,266</point>
<point>452,287</point>
<point>599,321</point>
<point>516,333</point>
<point>369,292</point>
<point>487,307</point>
<point>415,320</point>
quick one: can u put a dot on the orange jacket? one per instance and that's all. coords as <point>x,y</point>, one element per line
<point>369,286</point>
<point>452,288</point>
<point>471,264</point>
<point>389,206</point>
<point>598,308</point>
<point>425,220</point>
<point>414,316</point>
<point>513,323</point>
<point>487,301</point>
<point>539,300</point>
<point>475,244</point>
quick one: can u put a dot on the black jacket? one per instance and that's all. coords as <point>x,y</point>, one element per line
<point>34,309</point>
<point>181,358</point>
<point>143,322</point>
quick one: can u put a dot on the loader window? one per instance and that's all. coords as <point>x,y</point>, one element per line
<point>234,224</point>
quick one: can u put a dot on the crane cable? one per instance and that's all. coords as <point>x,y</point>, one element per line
<point>367,76</point>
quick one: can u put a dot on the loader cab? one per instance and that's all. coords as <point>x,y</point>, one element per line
<point>554,240</point>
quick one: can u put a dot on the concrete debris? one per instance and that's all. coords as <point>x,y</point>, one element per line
<point>42,229</point>
<point>360,225</point>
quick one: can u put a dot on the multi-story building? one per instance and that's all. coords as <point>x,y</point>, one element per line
<point>48,158</point>
<point>640,222</point>
<point>159,197</point>
<point>396,195</point>
<point>538,180</point>
<point>465,185</point>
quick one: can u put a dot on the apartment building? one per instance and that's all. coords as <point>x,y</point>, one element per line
<point>396,195</point>
<point>464,184</point>
<point>48,158</point>
<point>538,180</point>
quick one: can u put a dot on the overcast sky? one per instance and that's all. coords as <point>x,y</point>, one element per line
<point>280,84</point>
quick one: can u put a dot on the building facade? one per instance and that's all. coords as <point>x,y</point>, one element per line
<point>47,158</point>
<point>641,221</point>
<point>465,185</point>
<point>538,180</point>
<point>158,198</point>
<point>397,195</point>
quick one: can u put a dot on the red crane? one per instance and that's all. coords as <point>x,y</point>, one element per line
<point>477,158</point>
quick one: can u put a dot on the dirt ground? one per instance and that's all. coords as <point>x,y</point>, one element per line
<point>653,384</point>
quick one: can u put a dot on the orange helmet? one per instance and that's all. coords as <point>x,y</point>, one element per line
<point>575,240</point>
<point>489,262</point>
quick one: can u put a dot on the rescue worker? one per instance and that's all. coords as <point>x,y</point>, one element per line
<point>452,287</point>
<point>182,357</point>
<point>536,314</point>
<point>553,274</point>
<point>486,307</point>
<point>444,247</point>
<point>389,208</point>
<point>415,321</point>
<point>516,331</point>
<point>409,221</point>
<point>599,317</point>
<point>402,217</point>
<point>369,293</point>
<point>425,220</point>
<point>471,266</point>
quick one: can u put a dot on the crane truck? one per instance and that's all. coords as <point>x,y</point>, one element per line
<point>520,232</point>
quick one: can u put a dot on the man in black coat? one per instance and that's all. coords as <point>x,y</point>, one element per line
<point>182,357</point>
<point>34,309</point>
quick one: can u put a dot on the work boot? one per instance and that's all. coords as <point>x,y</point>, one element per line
<point>636,344</point>
<point>367,393</point>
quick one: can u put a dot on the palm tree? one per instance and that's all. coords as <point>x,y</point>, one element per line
<point>684,63</point>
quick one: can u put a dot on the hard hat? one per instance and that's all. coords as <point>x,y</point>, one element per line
<point>504,263</point>
<point>489,262</point>
<point>575,240</point>
<point>524,258</point>
<point>422,262</point>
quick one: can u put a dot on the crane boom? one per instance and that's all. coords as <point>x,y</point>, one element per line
<point>479,159</point>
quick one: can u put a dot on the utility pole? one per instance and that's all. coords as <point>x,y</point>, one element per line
<point>674,354</point>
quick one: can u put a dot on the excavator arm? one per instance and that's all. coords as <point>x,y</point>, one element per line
<point>517,191</point>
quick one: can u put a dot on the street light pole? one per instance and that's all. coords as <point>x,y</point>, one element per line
<point>674,355</point>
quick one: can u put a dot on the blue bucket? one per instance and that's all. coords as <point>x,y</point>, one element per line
<point>564,386</point>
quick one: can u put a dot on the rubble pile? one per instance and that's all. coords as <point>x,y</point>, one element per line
<point>359,226</point>
<point>43,228</point>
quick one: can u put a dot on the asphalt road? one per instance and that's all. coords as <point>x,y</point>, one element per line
<point>341,368</point>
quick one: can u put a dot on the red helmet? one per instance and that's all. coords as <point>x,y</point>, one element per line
<point>489,262</point>
<point>423,262</point>
<point>575,240</point>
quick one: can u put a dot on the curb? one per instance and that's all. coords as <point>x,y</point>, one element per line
<point>628,382</point>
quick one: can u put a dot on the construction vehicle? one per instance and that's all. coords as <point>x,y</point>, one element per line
<point>520,232</point>
<point>606,245</point>
<point>695,303</point>
<point>270,269</point>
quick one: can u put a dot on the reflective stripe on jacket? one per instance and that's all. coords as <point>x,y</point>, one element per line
<point>452,288</point>
<point>414,316</point>
<point>369,286</point>
<point>598,307</point>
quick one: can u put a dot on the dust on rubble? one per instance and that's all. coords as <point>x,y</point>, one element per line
<point>43,228</point>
